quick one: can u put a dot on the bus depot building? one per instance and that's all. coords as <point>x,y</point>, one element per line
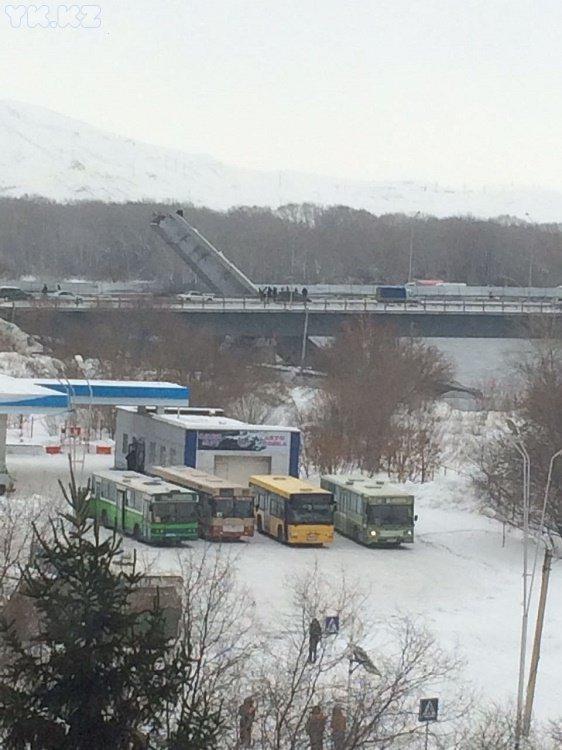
<point>217,445</point>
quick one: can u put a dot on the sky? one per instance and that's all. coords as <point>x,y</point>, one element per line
<point>459,92</point>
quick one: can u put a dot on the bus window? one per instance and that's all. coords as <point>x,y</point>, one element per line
<point>168,510</point>
<point>310,509</point>
<point>384,515</point>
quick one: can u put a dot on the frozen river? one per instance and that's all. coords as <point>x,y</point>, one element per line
<point>482,361</point>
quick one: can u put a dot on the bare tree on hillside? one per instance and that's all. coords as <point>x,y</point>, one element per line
<point>373,376</point>
<point>500,465</point>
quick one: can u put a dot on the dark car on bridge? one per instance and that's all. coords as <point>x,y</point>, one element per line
<point>13,293</point>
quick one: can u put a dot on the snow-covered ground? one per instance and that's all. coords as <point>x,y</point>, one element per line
<point>457,578</point>
<point>45,153</point>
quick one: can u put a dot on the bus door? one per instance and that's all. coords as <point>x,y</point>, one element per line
<point>121,502</point>
<point>146,516</point>
<point>205,513</point>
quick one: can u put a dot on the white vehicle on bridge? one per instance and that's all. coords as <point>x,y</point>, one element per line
<point>194,296</point>
<point>65,296</point>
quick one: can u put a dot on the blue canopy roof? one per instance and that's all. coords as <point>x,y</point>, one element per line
<point>116,392</point>
<point>21,396</point>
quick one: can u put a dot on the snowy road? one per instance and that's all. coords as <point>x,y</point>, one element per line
<point>457,578</point>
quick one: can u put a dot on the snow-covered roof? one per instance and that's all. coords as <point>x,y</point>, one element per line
<point>21,396</point>
<point>205,422</point>
<point>136,481</point>
<point>366,486</point>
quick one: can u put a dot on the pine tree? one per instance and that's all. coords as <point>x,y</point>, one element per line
<point>98,674</point>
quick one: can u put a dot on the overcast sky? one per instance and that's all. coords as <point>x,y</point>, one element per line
<point>455,91</point>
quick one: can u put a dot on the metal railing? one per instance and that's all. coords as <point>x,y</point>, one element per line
<point>319,305</point>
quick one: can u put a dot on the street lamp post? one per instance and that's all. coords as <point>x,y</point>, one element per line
<point>531,256</point>
<point>522,450</point>
<point>411,263</point>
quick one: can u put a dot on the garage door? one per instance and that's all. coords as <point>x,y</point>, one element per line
<point>240,468</point>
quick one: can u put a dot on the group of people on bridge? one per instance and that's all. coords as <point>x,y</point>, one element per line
<point>284,294</point>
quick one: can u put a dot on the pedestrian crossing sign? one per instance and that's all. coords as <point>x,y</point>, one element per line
<point>429,709</point>
<point>332,625</point>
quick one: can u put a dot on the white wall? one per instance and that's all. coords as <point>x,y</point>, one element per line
<point>171,438</point>
<point>279,461</point>
<point>167,439</point>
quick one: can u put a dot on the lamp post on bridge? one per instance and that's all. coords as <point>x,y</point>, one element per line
<point>411,262</point>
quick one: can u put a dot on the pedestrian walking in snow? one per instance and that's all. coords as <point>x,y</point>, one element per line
<point>314,638</point>
<point>247,714</point>
<point>338,727</point>
<point>315,727</point>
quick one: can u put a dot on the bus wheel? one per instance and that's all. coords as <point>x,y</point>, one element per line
<point>280,534</point>
<point>104,521</point>
<point>136,531</point>
<point>356,535</point>
<point>259,525</point>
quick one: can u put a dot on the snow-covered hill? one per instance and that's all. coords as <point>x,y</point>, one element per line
<point>49,154</point>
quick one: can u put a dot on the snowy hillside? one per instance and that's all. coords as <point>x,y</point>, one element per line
<point>48,154</point>
<point>21,356</point>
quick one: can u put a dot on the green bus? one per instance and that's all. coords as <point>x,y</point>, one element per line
<point>370,511</point>
<point>148,508</point>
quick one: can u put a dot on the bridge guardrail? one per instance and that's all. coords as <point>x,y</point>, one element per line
<point>325,305</point>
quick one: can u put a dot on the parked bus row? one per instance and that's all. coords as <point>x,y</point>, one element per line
<point>368,511</point>
<point>179,503</point>
<point>175,505</point>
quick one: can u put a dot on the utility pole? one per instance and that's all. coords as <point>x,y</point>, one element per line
<point>528,709</point>
<point>547,565</point>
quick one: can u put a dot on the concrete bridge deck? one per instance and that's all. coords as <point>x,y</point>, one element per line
<point>321,317</point>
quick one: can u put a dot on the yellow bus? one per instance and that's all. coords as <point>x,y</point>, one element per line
<point>293,511</point>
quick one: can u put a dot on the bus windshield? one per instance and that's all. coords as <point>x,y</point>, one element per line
<point>310,509</point>
<point>389,515</point>
<point>174,509</point>
<point>233,507</point>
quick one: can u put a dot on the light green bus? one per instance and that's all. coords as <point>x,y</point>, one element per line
<point>370,511</point>
<point>148,508</point>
